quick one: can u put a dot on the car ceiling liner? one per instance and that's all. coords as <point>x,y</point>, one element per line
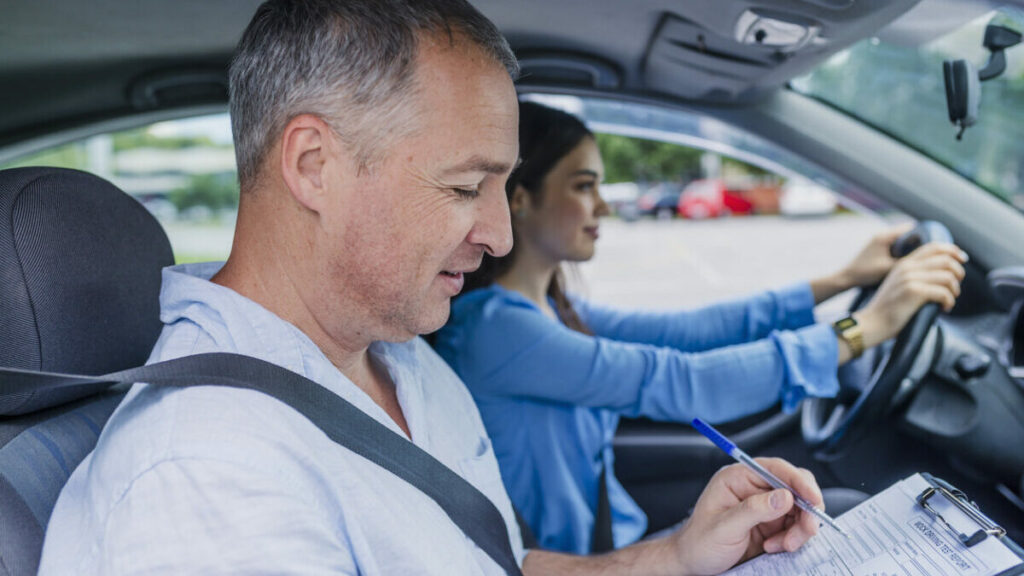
<point>760,48</point>
<point>178,87</point>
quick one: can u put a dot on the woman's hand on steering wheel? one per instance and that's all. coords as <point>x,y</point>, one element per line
<point>903,309</point>
<point>868,268</point>
<point>931,273</point>
<point>875,260</point>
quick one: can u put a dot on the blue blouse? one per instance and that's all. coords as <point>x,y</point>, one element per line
<point>551,397</point>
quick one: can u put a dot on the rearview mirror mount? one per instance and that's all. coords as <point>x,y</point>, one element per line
<point>963,80</point>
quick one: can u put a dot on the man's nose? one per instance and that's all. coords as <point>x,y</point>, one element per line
<point>493,227</point>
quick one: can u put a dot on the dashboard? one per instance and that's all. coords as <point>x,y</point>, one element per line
<point>970,401</point>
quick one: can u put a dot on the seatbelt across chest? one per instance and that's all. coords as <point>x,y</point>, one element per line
<point>341,421</point>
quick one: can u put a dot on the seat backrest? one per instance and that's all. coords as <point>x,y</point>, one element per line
<point>80,267</point>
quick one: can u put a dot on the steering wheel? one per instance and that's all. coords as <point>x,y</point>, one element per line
<point>830,425</point>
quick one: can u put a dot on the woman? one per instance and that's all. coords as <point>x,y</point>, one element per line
<point>552,375</point>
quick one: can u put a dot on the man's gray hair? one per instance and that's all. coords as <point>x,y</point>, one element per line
<point>350,62</point>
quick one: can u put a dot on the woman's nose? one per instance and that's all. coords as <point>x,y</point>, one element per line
<point>601,207</point>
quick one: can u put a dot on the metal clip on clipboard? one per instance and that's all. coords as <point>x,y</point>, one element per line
<point>986,527</point>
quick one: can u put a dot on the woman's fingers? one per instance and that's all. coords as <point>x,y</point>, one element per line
<point>887,237</point>
<point>928,268</point>
<point>940,261</point>
<point>938,248</point>
<point>945,279</point>
<point>935,293</point>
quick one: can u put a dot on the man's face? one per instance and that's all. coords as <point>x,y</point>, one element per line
<point>403,236</point>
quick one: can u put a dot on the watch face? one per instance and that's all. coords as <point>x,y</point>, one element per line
<point>845,323</point>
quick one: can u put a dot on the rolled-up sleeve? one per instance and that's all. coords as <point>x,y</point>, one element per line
<point>722,324</point>
<point>519,352</point>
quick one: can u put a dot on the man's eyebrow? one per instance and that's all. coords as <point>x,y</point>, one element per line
<point>478,164</point>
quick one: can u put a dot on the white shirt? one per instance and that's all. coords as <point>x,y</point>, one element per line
<point>217,480</point>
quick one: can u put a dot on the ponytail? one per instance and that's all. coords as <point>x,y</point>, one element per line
<point>563,306</point>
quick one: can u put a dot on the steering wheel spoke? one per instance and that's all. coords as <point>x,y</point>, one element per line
<point>873,385</point>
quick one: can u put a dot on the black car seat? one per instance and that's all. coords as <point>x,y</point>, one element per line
<point>80,273</point>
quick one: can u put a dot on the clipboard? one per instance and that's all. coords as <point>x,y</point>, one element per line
<point>920,525</point>
<point>984,527</point>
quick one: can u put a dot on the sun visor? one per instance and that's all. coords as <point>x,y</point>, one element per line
<point>752,49</point>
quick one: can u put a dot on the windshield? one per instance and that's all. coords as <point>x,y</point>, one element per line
<point>898,88</point>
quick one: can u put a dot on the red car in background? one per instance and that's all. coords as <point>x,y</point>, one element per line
<point>709,198</point>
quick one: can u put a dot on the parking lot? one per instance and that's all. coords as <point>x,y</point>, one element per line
<point>658,264</point>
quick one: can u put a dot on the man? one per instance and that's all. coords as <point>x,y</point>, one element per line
<point>373,142</point>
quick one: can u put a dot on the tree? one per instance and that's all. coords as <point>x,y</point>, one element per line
<point>143,138</point>
<point>632,159</point>
<point>214,191</point>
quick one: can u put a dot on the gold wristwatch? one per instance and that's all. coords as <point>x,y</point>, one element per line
<point>851,333</point>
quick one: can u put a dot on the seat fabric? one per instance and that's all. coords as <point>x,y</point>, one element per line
<point>80,267</point>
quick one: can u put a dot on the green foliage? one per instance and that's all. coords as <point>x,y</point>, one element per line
<point>67,156</point>
<point>214,191</point>
<point>192,258</point>
<point>636,160</point>
<point>900,89</point>
<point>743,168</point>
<point>143,138</point>
<point>632,159</point>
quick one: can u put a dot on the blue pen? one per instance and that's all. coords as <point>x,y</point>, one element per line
<point>732,450</point>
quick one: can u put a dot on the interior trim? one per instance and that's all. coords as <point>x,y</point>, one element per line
<point>31,145</point>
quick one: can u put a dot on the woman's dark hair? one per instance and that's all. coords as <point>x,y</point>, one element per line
<point>546,136</point>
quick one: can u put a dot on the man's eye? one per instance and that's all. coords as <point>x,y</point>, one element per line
<point>466,192</point>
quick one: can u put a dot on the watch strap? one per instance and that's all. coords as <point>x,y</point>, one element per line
<point>850,332</point>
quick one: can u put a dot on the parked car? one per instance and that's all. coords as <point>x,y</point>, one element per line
<point>839,91</point>
<point>802,197</point>
<point>709,198</point>
<point>659,201</point>
<point>621,198</point>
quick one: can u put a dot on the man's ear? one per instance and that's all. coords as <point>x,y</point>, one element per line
<point>306,147</point>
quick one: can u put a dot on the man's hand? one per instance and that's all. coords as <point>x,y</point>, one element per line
<point>737,517</point>
<point>931,273</point>
<point>740,516</point>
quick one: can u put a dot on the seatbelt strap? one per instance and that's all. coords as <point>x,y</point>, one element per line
<point>602,538</point>
<point>341,421</point>
<point>529,540</point>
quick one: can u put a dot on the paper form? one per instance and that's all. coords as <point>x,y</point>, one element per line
<point>890,536</point>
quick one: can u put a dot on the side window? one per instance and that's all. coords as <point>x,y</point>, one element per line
<point>182,171</point>
<point>703,212</point>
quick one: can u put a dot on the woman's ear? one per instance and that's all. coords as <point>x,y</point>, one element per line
<point>306,150</point>
<point>520,202</point>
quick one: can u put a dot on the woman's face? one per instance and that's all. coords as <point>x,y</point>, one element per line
<point>563,225</point>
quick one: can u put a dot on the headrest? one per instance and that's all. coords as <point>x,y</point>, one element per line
<point>80,265</point>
